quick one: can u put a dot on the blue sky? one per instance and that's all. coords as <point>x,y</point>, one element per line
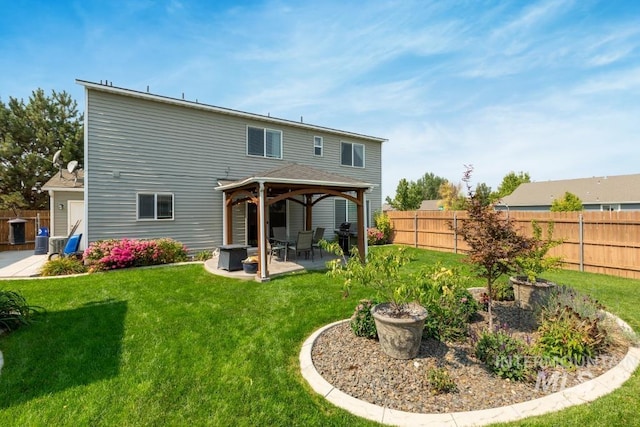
<point>546,87</point>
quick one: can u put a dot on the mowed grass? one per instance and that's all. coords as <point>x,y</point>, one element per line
<point>179,346</point>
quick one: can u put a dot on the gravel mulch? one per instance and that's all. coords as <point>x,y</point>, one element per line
<point>358,367</point>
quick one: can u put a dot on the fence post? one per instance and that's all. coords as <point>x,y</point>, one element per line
<point>415,229</point>
<point>455,232</point>
<point>581,238</point>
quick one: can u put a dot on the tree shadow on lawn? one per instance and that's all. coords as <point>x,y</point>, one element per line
<point>62,349</point>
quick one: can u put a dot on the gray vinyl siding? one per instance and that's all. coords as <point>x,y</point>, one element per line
<point>139,145</point>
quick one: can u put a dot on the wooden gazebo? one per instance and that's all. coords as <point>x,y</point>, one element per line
<point>300,184</point>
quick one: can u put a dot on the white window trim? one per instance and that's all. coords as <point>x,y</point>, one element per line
<point>155,206</point>
<point>317,139</point>
<point>353,144</point>
<point>264,141</point>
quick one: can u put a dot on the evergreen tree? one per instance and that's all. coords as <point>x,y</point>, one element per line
<point>29,136</point>
<point>430,186</point>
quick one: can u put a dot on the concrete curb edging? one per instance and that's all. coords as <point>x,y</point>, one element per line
<point>581,393</point>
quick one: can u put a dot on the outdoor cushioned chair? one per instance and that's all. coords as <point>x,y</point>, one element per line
<point>317,236</point>
<point>304,243</point>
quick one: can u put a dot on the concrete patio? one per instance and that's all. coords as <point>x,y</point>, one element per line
<point>15,264</point>
<point>276,267</point>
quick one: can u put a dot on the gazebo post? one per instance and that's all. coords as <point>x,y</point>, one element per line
<point>362,230</point>
<point>309,211</point>
<point>263,272</point>
<point>228,225</point>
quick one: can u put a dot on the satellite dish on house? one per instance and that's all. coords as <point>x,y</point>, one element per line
<point>72,166</point>
<point>56,158</point>
<point>58,161</point>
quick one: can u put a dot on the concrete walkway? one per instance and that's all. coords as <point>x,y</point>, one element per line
<point>16,264</point>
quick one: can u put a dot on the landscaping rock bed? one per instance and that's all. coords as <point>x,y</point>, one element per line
<point>358,367</point>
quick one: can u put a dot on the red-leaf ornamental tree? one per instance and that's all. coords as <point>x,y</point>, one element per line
<point>494,243</point>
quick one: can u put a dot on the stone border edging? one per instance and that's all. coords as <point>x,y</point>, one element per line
<point>579,394</point>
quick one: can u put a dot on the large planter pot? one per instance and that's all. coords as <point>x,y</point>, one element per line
<point>529,295</point>
<point>399,337</point>
<point>250,267</point>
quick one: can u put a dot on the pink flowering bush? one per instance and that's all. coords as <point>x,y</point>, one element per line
<point>112,254</point>
<point>375,236</point>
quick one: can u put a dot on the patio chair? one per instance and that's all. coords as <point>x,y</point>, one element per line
<point>276,247</point>
<point>304,243</point>
<point>280,235</point>
<point>317,236</point>
<point>70,249</point>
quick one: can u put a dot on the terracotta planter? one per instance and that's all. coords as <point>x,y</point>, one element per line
<point>530,295</point>
<point>399,337</point>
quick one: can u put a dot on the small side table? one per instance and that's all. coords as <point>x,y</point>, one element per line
<point>231,257</point>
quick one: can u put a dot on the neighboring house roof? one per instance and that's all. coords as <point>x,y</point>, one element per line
<point>66,181</point>
<point>295,174</point>
<point>596,190</point>
<point>227,111</point>
<point>430,205</point>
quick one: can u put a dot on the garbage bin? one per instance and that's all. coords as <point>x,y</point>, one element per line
<point>42,245</point>
<point>17,231</point>
<point>43,231</point>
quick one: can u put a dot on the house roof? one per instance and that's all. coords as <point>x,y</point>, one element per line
<point>295,175</point>
<point>595,190</point>
<point>66,181</point>
<point>195,104</point>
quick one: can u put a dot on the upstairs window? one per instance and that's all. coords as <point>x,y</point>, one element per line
<point>352,154</point>
<point>264,142</point>
<point>154,206</point>
<point>317,145</point>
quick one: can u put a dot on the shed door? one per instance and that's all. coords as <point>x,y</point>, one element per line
<point>76,212</point>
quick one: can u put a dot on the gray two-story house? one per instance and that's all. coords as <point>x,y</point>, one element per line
<point>156,166</point>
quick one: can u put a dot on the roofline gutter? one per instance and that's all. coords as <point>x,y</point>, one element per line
<point>220,110</point>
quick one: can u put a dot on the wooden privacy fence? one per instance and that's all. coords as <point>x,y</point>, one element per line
<point>34,220</point>
<point>597,242</point>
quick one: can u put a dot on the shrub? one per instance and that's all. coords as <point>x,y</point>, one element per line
<point>112,254</point>
<point>362,322</point>
<point>383,223</point>
<point>449,304</point>
<point>375,236</point>
<point>62,266</point>
<point>568,338</point>
<point>440,381</point>
<point>14,310</point>
<point>502,291</point>
<point>504,354</point>
<point>203,255</point>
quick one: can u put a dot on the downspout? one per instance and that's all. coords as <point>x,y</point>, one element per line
<point>261,236</point>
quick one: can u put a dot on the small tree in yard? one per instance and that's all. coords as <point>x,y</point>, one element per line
<point>494,244</point>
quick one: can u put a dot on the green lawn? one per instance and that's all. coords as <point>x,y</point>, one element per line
<point>177,346</point>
